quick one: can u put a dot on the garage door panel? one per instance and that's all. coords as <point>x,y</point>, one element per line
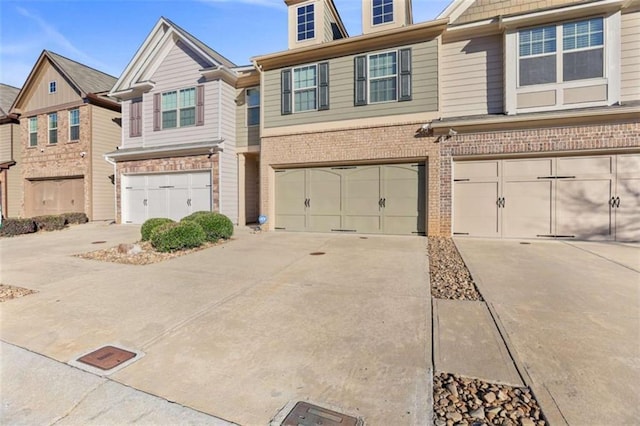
<point>362,199</point>
<point>628,165</point>
<point>290,200</point>
<point>628,212</point>
<point>578,166</point>
<point>200,199</point>
<point>324,223</point>
<point>157,180</point>
<point>178,202</point>
<point>477,169</point>
<point>527,211</point>
<point>364,224</point>
<point>157,203</point>
<point>403,189</point>
<point>583,209</point>
<point>528,167</point>
<point>325,192</point>
<point>475,209</point>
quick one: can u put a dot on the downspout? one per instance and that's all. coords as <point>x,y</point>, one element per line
<point>219,138</point>
<point>115,189</point>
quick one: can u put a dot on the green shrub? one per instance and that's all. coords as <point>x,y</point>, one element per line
<point>75,218</point>
<point>49,222</point>
<point>215,225</point>
<point>177,236</point>
<point>16,226</point>
<point>150,224</point>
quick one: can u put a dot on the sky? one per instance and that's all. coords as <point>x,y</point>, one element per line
<point>105,35</point>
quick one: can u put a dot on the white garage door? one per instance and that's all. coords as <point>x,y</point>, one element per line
<point>590,197</point>
<point>172,195</point>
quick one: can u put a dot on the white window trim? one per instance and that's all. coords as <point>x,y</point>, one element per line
<point>252,107</point>
<point>315,29</point>
<point>294,90</point>
<point>35,119</point>
<point>392,21</point>
<point>49,129</point>
<point>397,74</point>
<point>179,108</point>
<point>611,70</point>
<point>75,125</point>
<point>54,84</point>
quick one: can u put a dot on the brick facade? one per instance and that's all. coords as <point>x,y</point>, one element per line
<point>549,141</point>
<point>373,145</point>
<point>62,159</point>
<point>170,165</point>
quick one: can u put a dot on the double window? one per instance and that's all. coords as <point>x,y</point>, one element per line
<point>383,77</point>
<point>33,131</point>
<point>306,22</point>
<point>53,128</point>
<point>305,88</point>
<point>382,11</point>
<point>74,124</point>
<point>179,108</point>
<point>53,86</point>
<point>253,106</point>
<point>573,50</point>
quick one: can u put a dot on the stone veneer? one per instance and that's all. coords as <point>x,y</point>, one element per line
<point>62,159</point>
<point>170,165</point>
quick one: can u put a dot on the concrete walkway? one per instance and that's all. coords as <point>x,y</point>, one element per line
<point>240,330</point>
<point>571,315</point>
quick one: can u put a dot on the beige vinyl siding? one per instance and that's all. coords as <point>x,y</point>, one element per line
<point>472,77</point>
<point>105,137</point>
<point>630,67</point>
<point>246,136</point>
<point>228,157</point>
<point>424,76</point>
<point>39,96</point>
<point>14,175</point>
<point>6,142</point>
<point>178,70</point>
<point>328,32</point>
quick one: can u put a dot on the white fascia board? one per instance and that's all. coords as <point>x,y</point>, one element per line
<point>455,9</point>
<point>560,13</point>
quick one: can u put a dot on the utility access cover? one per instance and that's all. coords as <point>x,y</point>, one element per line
<point>107,357</point>
<point>305,414</point>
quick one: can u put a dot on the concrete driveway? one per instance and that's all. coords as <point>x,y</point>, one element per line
<point>242,329</point>
<point>571,311</point>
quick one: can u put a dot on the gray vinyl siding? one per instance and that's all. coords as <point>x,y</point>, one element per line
<point>228,157</point>
<point>179,70</point>
<point>41,98</point>
<point>630,47</point>
<point>341,80</point>
<point>5,142</point>
<point>105,137</point>
<point>472,77</point>
<point>246,136</point>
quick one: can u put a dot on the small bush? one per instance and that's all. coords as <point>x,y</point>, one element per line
<point>75,218</point>
<point>16,226</point>
<point>177,236</point>
<point>215,225</point>
<point>49,222</point>
<point>150,224</point>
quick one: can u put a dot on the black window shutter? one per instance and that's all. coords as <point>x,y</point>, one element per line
<point>323,86</point>
<point>360,84</point>
<point>285,92</point>
<point>405,75</point>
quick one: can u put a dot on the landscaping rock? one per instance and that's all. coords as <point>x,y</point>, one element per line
<point>450,278</point>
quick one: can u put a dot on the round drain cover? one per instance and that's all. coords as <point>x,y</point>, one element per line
<point>317,253</point>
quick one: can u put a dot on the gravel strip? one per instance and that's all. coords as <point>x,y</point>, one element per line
<point>8,292</point>
<point>450,278</point>
<point>146,255</point>
<point>462,401</point>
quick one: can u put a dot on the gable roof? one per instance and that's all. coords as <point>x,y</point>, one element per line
<point>8,94</point>
<point>86,80</point>
<point>136,74</point>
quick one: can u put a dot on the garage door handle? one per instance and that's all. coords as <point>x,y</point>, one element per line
<point>307,202</point>
<point>189,202</point>
<point>614,202</point>
<point>144,202</point>
<point>384,202</point>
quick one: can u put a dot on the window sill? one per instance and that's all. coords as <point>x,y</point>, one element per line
<point>74,141</point>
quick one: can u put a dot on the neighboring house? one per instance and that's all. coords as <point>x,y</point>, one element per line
<point>66,126</point>
<point>10,179</point>
<point>540,107</point>
<point>499,118</point>
<point>179,151</point>
<point>339,151</point>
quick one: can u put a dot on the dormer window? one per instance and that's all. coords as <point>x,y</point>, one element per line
<point>382,11</point>
<point>52,87</point>
<point>306,25</point>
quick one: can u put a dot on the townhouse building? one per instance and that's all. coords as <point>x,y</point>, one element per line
<point>66,126</point>
<point>10,178</point>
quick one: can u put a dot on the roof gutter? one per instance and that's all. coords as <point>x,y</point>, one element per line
<point>102,102</point>
<point>132,154</point>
